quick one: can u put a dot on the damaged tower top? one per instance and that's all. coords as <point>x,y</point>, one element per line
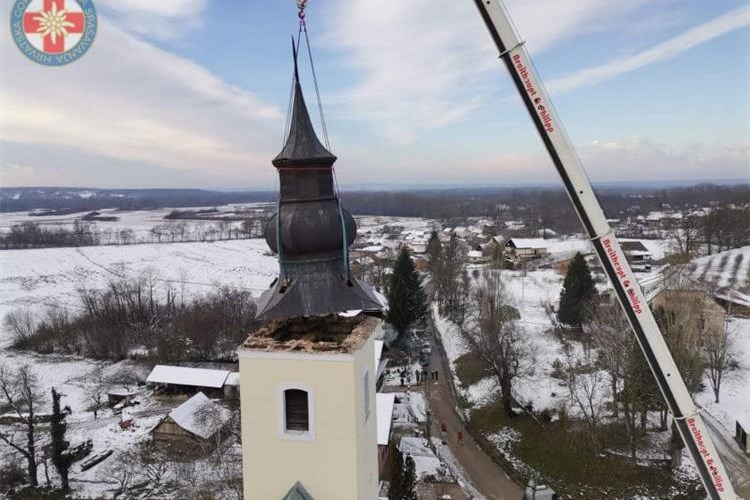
<point>310,231</point>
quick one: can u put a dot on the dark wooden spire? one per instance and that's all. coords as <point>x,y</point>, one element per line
<point>310,232</point>
<point>302,145</point>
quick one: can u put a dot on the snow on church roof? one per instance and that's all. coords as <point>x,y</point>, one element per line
<point>200,416</point>
<point>378,352</point>
<point>384,404</point>
<point>181,375</point>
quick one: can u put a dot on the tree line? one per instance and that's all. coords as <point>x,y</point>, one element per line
<point>141,317</point>
<point>83,233</point>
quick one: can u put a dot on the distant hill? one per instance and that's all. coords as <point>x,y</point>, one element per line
<point>86,199</point>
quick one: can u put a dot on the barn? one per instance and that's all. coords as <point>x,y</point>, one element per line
<point>197,421</point>
<point>167,379</point>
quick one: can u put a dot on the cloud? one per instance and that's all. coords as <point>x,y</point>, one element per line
<point>421,64</point>
<point>732,20</point>
<point>129,100</point>
<point>638,159</point>
<point>159,19</point>
<point>619,159</point>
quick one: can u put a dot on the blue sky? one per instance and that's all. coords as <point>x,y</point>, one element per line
<point>193,93</point>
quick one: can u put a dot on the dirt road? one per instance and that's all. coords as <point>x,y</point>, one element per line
<point>481,471</point>
<point>736,463</point>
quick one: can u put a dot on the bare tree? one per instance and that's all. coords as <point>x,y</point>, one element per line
<point>588,391</point>
<point>686,236</point>
<point>22,325</point>
<point>448,276</point>
<point>154,464</point>
<point>719,354</point>
<point>610,332</point>
<point>123,471</point>
<point>19,390</point>
<point>126,236</point>
<point>495,336</point>
<point>225,460</point>
<point>97,390</point>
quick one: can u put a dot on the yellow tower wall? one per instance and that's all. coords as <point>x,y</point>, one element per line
<point>338,460</point>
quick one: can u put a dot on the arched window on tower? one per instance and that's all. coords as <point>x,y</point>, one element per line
<point>296,410</point>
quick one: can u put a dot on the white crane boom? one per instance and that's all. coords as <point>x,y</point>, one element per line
<point>687,419</point>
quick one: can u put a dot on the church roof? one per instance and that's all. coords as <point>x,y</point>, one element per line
<point>302,144</point>
<point>298,492</point>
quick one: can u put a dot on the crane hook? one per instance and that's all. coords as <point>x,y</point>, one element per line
<point>301,4</point>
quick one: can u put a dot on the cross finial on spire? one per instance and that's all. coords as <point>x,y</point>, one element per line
<point>294,56</point>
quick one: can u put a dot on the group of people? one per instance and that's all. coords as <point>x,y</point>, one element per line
<point>444,431</point>
<point>419,375</point>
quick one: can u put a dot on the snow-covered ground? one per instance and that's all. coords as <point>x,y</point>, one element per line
<point>532,293</point>
<point>140,221</point>
<point>734,400</point>
<point>376,223</point>
<point>40,278</point>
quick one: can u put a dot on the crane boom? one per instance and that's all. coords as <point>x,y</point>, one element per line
<point>687,419</point>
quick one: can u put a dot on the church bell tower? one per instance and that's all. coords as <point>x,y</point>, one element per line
<point>307,375</point>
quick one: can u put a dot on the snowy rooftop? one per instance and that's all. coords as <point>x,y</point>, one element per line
<point>553,245</point>
<point>233,379</point>
<point>122,391</point>
<point>378,352</point>
<point>384,405</point>
<point>181,375</point>
<point>200,416</point>
<point>728,269</point>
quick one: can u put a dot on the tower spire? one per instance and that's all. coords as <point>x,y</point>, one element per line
<point>311,231</point>
<point>302,144</point>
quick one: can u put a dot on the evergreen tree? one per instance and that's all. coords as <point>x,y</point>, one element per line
<point>405,295</point>
<point>578,290</point>
<point>410,480</point>
<point>61,458</point>
<point>403,477</point>
<point>396,487</point>
<point>434,253</point>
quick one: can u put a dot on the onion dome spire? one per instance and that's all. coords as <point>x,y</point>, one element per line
<point>311,231</point>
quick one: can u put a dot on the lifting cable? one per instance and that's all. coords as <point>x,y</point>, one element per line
<point>301,5</point>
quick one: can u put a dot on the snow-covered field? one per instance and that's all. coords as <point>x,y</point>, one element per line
<point>137,220</point>
<point>41,278</point>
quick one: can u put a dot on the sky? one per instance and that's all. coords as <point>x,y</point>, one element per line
<point>194,93</point>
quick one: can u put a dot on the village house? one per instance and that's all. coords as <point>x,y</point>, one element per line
<point>384,405</point>
<point>637,254</point>
<point>691,301</point>
<point>124,395</point>
<point>477,257</point>
<point>195,422</point>
<point>520,251</point>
